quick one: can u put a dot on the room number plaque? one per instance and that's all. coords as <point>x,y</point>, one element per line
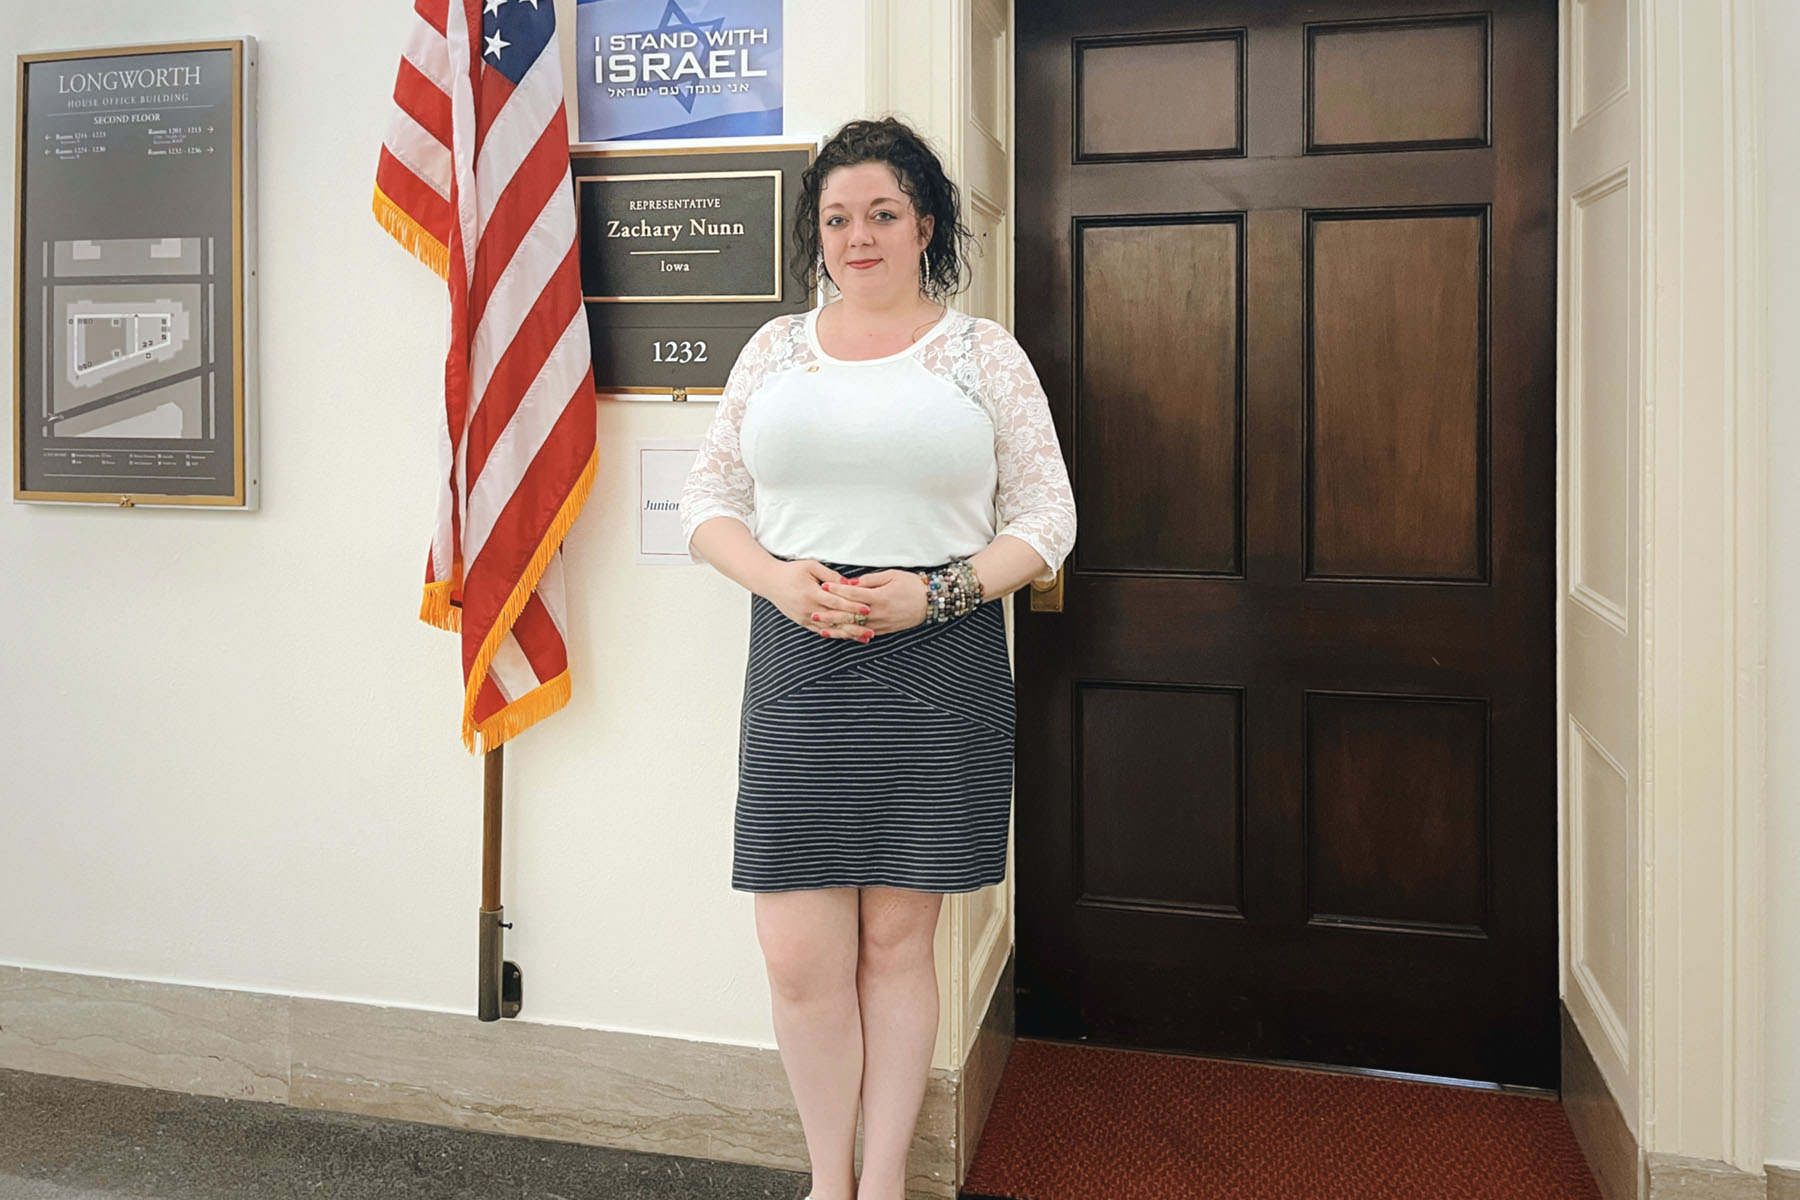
<point>683,257</point>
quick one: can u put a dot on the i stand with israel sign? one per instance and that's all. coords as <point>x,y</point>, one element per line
<point>679,68</point>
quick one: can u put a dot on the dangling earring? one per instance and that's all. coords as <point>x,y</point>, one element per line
<point>825,279</point>
<point>925,282</point>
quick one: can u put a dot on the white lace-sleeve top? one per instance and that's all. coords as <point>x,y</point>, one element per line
<point>907,460</point>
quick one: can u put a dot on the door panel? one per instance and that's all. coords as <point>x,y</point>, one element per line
<point>1286,758</point>
<point>1159,338</point>
<point>1387,84</point>
<point>1121,118</point>
<point>1136,849</point>
<point>1396,812</point>
<point>1395,400</point>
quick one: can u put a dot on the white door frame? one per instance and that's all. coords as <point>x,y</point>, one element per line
<point>1704,485</point>
<point>1661,674</point>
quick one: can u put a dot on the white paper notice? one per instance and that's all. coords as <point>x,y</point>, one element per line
<point>662,470</point>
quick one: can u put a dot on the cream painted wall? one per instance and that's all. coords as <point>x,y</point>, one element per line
<point>1781,45</point>
<point>231,752</point>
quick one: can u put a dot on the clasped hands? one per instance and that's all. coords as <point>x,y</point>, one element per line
<point>814,596</point>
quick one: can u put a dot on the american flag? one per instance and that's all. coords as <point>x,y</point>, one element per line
<point>474,180</point>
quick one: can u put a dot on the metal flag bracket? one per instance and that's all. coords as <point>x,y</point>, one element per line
<point>501,985</point>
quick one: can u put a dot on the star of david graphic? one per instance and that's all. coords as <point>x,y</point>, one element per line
<point>676,21</point>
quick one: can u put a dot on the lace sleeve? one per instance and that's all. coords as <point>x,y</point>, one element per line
<point>718,485</point>
<point>1033,501</point>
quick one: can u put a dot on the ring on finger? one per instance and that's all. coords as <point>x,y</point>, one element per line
<point>860,618</point>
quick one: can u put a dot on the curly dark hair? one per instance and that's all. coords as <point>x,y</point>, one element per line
<point>921,177</point>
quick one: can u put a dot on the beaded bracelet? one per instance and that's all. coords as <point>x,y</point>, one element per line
<point>951,592</point>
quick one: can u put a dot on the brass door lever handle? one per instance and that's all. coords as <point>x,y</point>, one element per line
<point>1048,597</point>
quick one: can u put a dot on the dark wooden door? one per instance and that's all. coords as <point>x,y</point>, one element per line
<point>1286,779</point>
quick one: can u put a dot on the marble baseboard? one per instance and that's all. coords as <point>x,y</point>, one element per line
<point>598,1087</point>
<point>1784,1184</point>
<point>1673,1177</point>
<point>205,1041</point>
<point>980,1078</point>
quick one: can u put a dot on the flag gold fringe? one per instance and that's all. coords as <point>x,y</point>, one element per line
<point>436,609</point>
<point>504,724</point>
<point>523,713</point>
<point>412,235</point>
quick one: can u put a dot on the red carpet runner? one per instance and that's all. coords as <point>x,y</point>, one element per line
<point>1083,1123</point>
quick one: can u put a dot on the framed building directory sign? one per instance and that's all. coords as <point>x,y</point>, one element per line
<point>133,304</point>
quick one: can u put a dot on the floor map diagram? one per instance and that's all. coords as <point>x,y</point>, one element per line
<point>134,359</point>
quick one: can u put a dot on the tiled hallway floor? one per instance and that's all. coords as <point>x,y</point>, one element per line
<point>66,1139</point>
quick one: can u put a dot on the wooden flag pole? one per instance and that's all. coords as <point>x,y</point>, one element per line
<point>493,786</point>
<point>501,984</point>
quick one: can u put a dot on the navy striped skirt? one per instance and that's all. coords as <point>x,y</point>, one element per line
<point>879,765</point>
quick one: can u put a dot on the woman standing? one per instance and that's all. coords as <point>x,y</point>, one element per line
<point>879,471</point>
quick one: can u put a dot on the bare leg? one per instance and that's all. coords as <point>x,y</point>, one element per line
<point>809,943</point>
<point>896,981</point>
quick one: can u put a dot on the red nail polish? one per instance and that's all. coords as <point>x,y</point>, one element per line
<point>815,616</point>
<point>865,610</point>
